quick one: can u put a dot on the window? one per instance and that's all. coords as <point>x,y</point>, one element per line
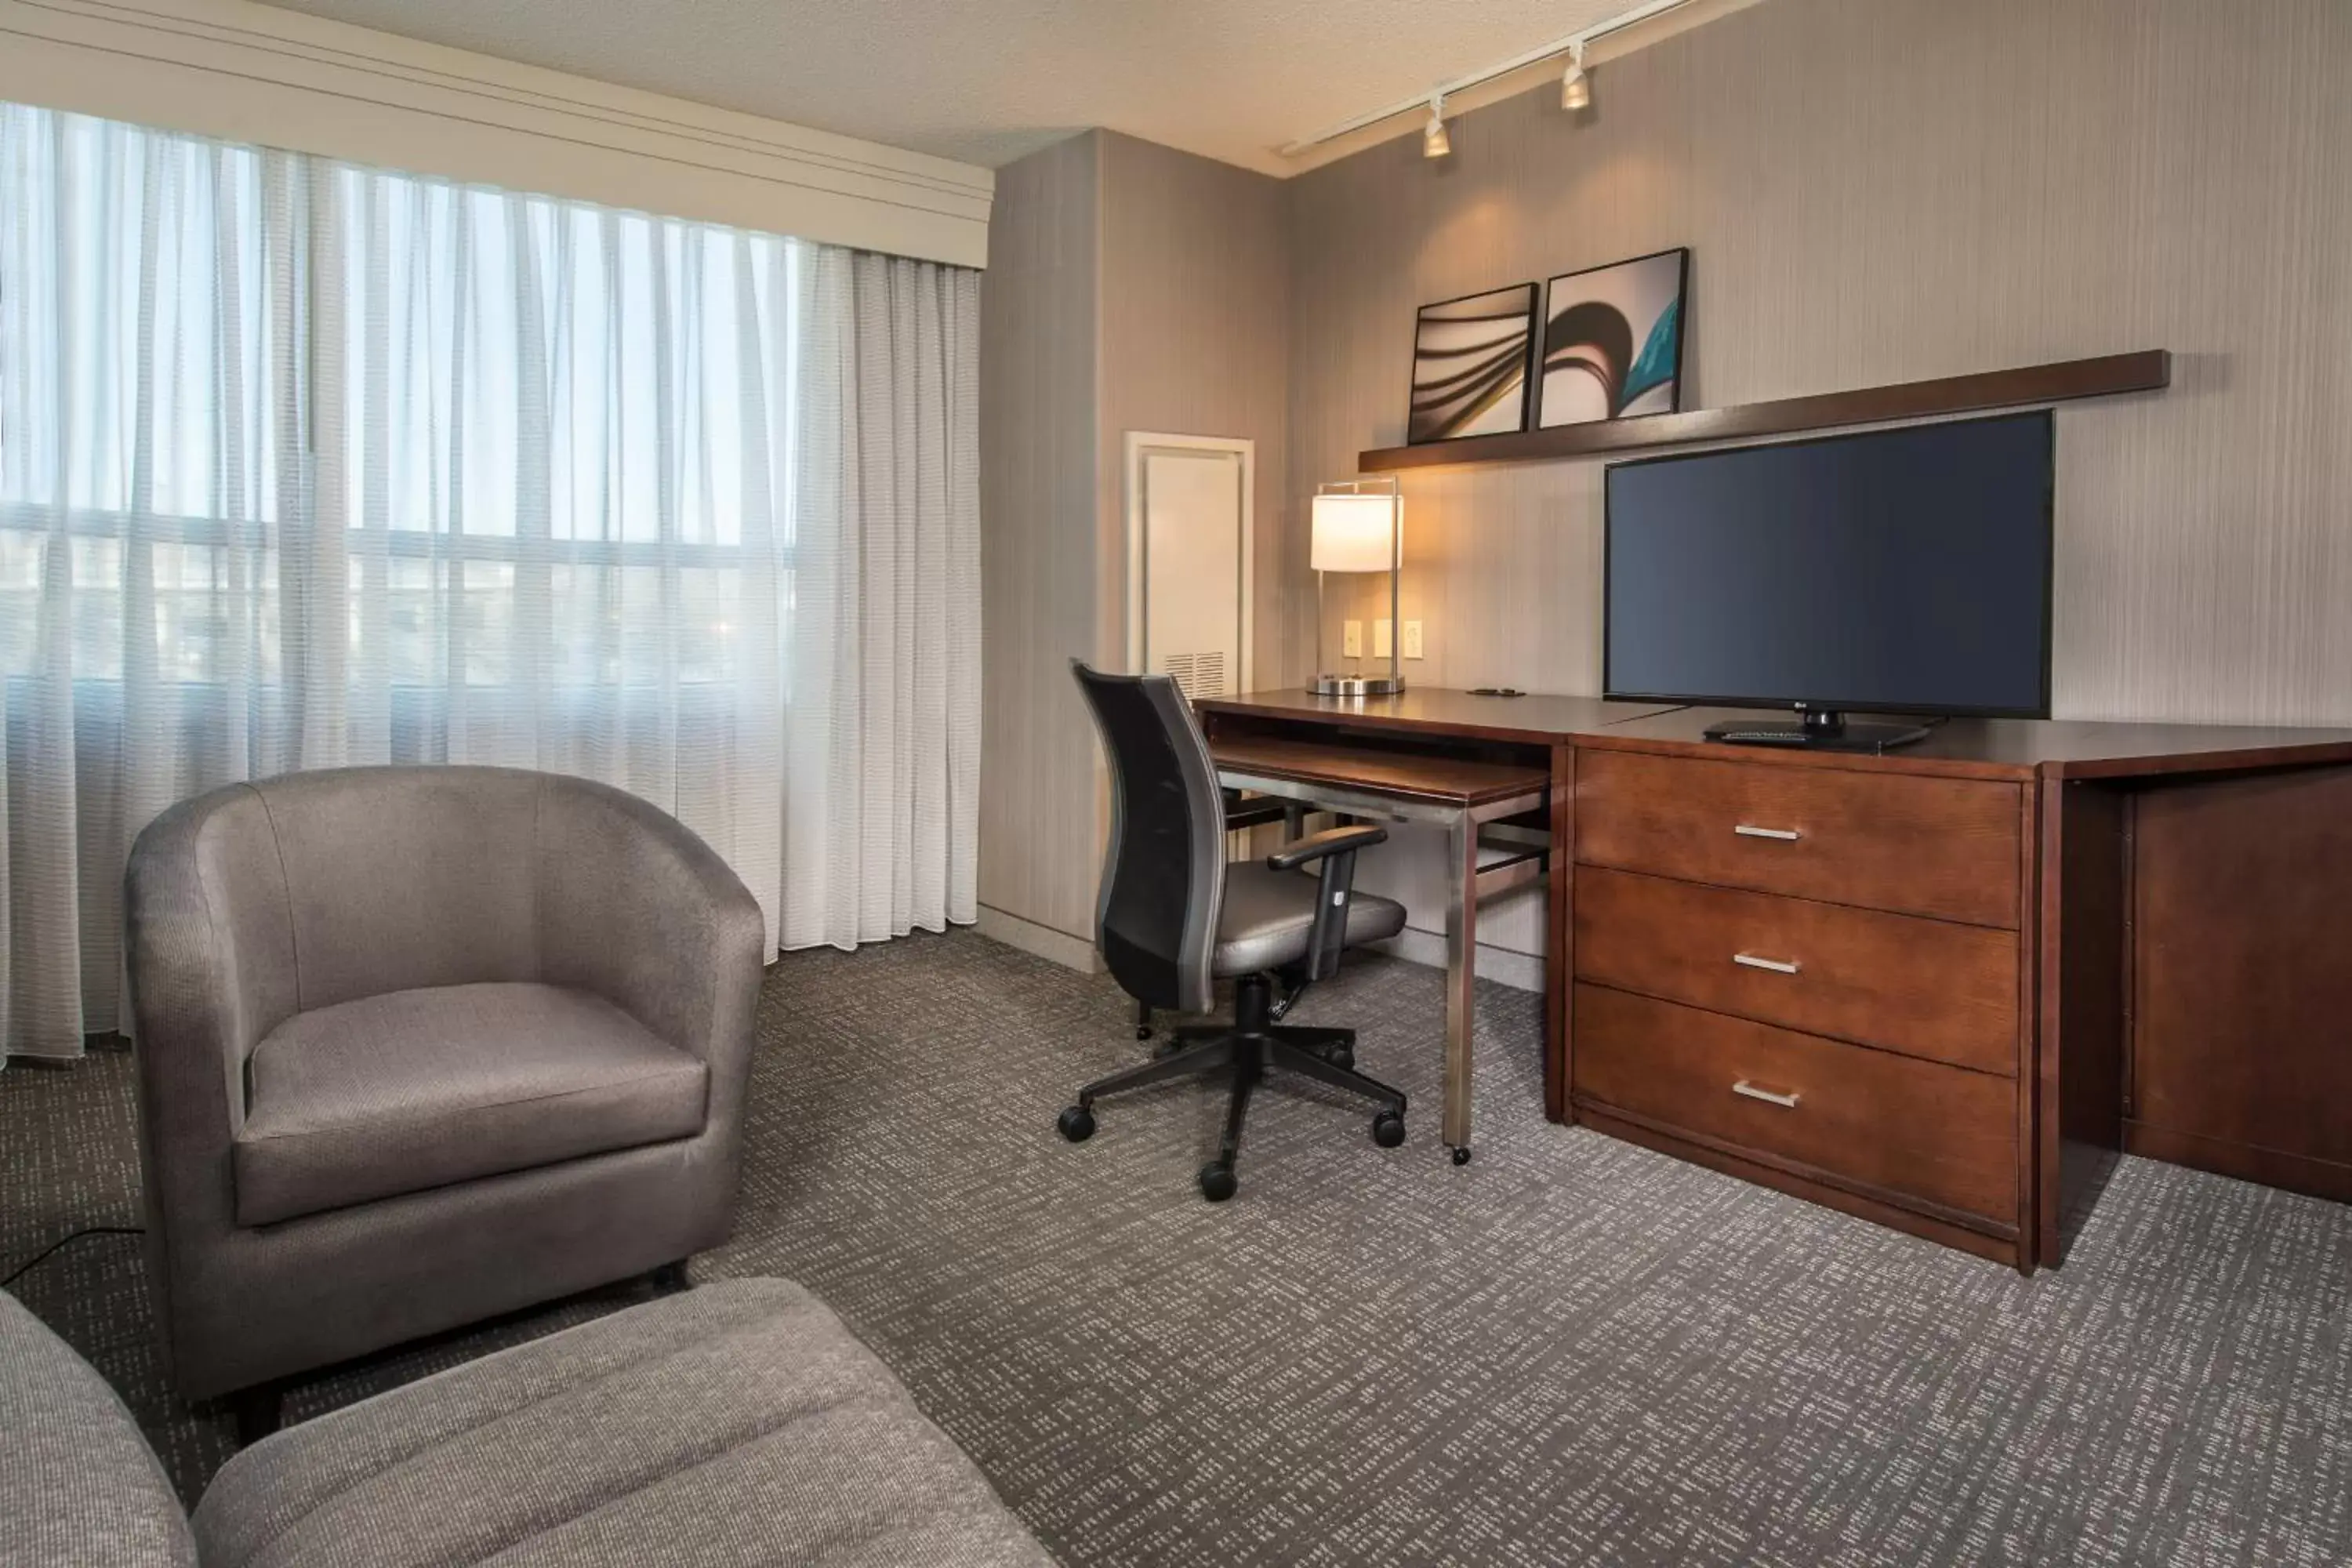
<point>304,465</point>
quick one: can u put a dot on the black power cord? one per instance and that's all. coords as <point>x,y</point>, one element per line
<point>64,1241</point>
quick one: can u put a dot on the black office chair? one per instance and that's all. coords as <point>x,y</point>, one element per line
<point>1173,918</point>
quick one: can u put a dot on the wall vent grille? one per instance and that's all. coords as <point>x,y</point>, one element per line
<point>1197,675</point>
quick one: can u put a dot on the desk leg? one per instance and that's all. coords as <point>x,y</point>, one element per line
<point>1559,929</point>
<point>1461,978</point>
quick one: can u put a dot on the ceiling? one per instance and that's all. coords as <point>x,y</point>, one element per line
<point>986,81</point>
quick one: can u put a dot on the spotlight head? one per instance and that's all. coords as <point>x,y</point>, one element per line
<point>1575,87</point>
<point>1434,142</point>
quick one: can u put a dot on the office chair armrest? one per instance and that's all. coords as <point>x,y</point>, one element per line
<point>1335,848</point>
<point>1322,846</point>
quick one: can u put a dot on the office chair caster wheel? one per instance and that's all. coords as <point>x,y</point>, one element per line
<point>1462,1156</point>
<point>1217,1182</point>
<point>1388,1130</point>
<point>1343,1057</point>
<point>1143,1031</point>
<point>1078,1124</point>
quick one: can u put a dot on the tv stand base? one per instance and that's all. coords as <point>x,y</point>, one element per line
<point>1819,731</point>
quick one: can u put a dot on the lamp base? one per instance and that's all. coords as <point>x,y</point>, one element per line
<point>1356,685</point>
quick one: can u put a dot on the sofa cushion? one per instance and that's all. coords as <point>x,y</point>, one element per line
<point>77,1483</point>
<point>737,1424</point>
<point>414,1089</point>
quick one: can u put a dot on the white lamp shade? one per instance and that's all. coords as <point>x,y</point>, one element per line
<point>1354,533</point>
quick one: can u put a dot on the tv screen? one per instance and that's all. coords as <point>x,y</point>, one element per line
<point>1901,571</point>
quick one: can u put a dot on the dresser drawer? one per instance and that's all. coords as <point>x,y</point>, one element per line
<point>1923,987</point>
<point>1885,1123</point>
<point>1947,847</point>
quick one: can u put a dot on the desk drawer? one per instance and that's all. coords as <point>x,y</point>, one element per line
<point>1889,1124</point>
<point>1939,847</point>
<point>1923,987</point>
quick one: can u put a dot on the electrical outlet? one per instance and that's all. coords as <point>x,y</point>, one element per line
<point>1412,639</point>
<point>1351,639</point>
<point>1383,630</point>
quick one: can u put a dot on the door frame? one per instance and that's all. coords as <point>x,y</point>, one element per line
<point>1138,446</point>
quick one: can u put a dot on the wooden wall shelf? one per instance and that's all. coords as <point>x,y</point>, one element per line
<point>2147,371</point>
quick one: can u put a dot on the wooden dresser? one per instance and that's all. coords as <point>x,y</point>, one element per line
<point>1813,977</point>
<point>1941,988</point>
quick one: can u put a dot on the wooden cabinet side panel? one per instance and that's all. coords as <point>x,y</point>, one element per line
<point>2241,977</point>
<point>2084,995</point>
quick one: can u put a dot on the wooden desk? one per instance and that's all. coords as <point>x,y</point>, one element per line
<point>1460,795</point>
<point>1937,988</point>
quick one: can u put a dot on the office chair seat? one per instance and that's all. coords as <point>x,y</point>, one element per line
<point>1269,915</point>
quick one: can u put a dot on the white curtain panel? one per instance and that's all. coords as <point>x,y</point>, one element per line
<point>303,465</point>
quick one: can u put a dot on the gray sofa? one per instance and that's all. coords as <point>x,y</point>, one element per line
<point>420,1045</point>
<point>739,1423</point>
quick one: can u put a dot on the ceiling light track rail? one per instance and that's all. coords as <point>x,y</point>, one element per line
<point>1573,46</point>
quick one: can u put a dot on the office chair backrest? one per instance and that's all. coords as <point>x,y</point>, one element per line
<point>1163,881</point>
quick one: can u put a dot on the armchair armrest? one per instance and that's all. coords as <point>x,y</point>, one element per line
<point>1322,846</point>
<point>635,907</point>
<point>208,951</point>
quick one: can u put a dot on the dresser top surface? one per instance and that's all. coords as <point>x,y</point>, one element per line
<point>2005,748</point>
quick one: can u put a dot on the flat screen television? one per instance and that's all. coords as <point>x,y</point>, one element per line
<point>1901,572</point>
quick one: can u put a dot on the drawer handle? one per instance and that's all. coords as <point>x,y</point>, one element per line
<point>1777,965</point>
<point>1785,835</point>
<point>1785,1101</point>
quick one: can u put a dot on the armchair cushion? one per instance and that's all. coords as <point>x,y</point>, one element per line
<point>1268,915</point>
<point>419,1089</point>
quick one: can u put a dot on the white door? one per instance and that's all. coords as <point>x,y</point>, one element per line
<point>1189,536</point>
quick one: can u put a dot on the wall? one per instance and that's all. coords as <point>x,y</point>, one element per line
<point>1039,602</point>
<point>1886,190</point>
<point>1195,342</point>
<point>1129,287</point>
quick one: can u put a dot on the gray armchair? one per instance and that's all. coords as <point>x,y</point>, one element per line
<point>420,1045</point>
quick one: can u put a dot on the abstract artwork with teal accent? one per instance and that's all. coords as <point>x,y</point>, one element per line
<point>1613,341</point>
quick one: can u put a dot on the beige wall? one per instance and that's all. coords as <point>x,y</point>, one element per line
<point>1887,190</point>
<point>1874,191</point>
<point>1037,551</point>
<point>1884,190</point>
<point>1129,287</point>
<point>1195,342</point>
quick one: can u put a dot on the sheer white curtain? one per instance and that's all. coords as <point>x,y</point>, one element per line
<point>303,465</point>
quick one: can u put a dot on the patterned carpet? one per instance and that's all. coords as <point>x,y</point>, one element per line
<point>1572,1351</point>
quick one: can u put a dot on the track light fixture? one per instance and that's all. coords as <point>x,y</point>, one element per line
<point>1575,83</point>
<point>1434,142</point>
<point>1576,88</point>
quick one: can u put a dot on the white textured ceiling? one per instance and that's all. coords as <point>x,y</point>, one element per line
<point>989,80</point>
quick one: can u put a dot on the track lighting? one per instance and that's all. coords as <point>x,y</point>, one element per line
<point>1434,143</point>
<point>1576,88</point>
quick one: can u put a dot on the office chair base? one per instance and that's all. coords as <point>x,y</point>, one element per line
<point>1245,1051</point>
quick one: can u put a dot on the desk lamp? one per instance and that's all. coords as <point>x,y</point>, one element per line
<point>1357,525</point>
